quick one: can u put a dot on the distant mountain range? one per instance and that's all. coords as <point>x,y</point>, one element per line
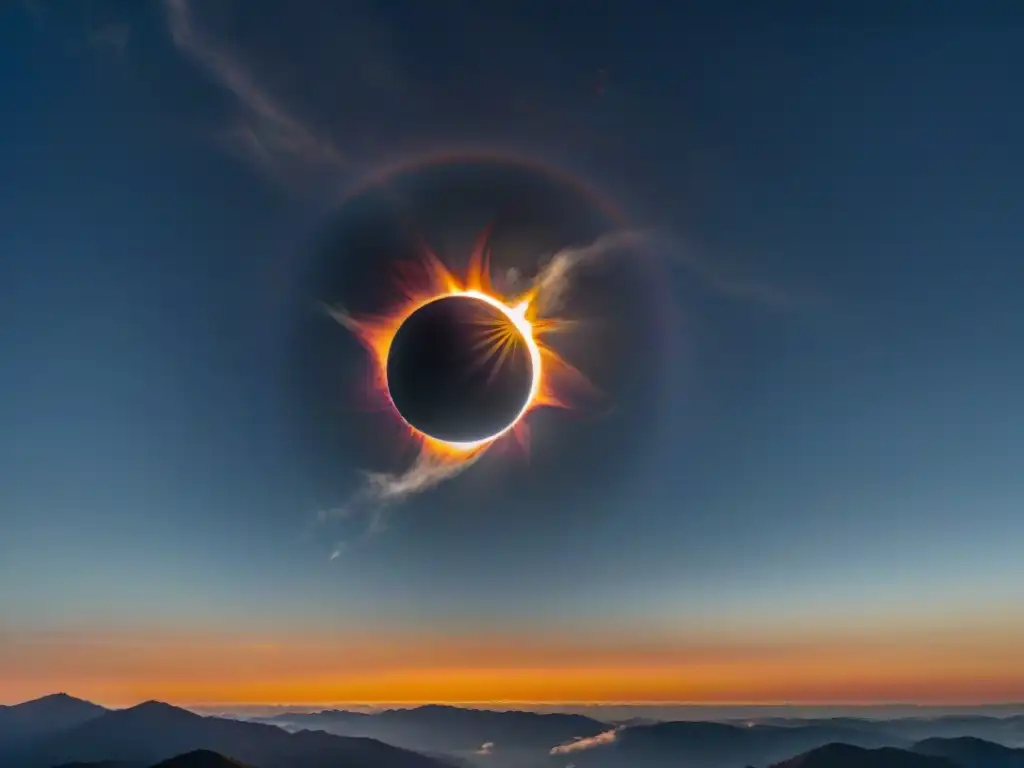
<point>152,732</point>
<point>848,756</point>
<point>1008,730</point>
<point>717,748</point>
<point>450,729</point>
<point>970,752</point>
<point>714,745</point>
<point>963,752</point>
<point>63,731</point>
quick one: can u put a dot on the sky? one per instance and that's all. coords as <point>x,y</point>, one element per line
<point>808,488</point>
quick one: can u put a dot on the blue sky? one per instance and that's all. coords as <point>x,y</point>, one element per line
<point>848,451</point>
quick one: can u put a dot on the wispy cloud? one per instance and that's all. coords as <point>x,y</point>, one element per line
<point>729,283</point>
<point>380,492</point>
<point>579,745</point>
<point>556,277</point>
<point>268,132</point>
<point>715,275</point>
<point>486,748</point>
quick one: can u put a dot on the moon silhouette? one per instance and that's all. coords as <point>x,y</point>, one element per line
<point>459,370</point>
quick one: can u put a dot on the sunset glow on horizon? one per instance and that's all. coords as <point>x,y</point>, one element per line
<point>121,669</point>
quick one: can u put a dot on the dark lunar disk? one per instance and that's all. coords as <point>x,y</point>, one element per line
<point>459,370</point>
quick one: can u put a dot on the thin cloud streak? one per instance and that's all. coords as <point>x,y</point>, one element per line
<point>380,492</point>
<point>268,132</point>
<point>555,279</point>
<point>553,283</point>
<point>580,745</point>
<point>717,279</point>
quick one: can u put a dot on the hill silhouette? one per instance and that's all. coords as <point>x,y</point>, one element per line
<point>152,732</point>
<point>970,752</point>
<point>1002,730</point>
<point>1007,730</point>
<point>849,756</point>
<point>63,731</point>
<point>452,729</point>
<point>200,758</point>
<point>32,719</point>
<point>713,745</point>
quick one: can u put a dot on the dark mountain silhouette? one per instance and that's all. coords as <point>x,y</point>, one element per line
<point>637,721</point>
<point>717,745</point>
<point>32,719</point>
<point>849,722</point>
<point>848,756</point>
<point>1008,731</point>
<point>62,731</point>
<point>451,729</point>
<point>969,752</point>
<point>151,732</point>
<point>200,758</point>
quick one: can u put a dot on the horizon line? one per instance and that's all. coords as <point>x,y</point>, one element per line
<point>457,703</point>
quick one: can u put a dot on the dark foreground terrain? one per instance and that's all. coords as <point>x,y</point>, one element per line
<point>64,731</point>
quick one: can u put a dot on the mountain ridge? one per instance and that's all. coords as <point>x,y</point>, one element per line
<point>141,735</point>
<point>151,732</point>
<point>20,723</point>
<point>838,755</point>
<point>972,752</point>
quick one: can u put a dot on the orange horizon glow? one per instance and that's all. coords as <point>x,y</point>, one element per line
<point>201,669</point>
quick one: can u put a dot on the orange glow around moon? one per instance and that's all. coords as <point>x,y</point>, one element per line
<point>427,279</point>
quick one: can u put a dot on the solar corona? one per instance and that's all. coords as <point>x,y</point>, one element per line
<point>459,363</point>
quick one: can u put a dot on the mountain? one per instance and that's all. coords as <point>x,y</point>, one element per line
<point>200,758</point>
<point>1008,731</point>
<point>33,719</point>
<point>969,752</point>
<point>711,745</point>
<point>63,731</point>
<point>452,729</point>
<point>153,731</point>
<point>848,756</point>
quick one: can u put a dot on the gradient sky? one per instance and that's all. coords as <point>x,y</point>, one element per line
<point>829,509</point>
